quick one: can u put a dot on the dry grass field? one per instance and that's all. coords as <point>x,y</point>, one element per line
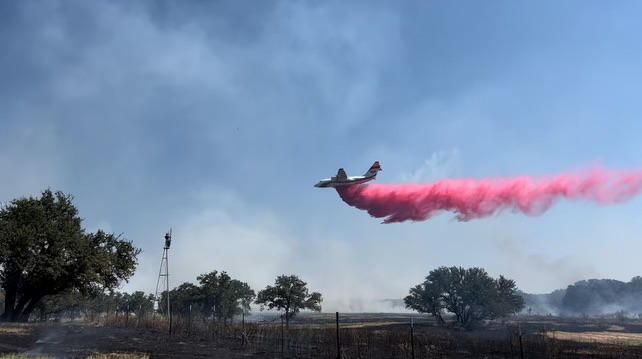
<point>315,336</point>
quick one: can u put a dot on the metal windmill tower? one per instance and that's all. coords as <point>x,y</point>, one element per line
<point>163,273</point>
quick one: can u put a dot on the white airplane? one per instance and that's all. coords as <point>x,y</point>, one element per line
<point>342,179</point>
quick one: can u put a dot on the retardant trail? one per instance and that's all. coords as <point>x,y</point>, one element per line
<point>471,199</point>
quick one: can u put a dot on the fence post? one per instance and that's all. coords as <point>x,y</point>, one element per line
<point>338,341</point>
<point>521,348</point>
<point>282,335</point>
<point>412,338</point>
<point>243,333</point>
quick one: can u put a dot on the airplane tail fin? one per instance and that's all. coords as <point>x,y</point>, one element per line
<point>372,171</point>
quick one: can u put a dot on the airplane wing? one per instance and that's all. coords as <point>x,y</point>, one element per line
<point>341,175</point>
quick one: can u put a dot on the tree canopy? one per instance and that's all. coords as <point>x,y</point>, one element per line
<point>591,297</point>
<point>44,250</point>
<point>470,295</point>
<point>225,295</point>
<point>600,296</point>
<point>217,295</point>
<point>290,294</point>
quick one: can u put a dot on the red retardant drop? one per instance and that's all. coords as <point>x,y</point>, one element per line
<point>471,199</point>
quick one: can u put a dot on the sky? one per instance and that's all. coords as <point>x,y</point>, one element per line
<point>217,118</point>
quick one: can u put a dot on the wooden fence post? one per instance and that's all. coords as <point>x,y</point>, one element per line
<point>412,338</point>
<point>338,340</point>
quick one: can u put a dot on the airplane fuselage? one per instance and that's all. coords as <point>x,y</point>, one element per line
<point>341,179</point>
<point>332,182</point>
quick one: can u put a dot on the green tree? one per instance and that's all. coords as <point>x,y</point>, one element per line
<point>70,302</point>
<point>217,295</point>
<point>290,294</point>
<point>227,297</point>
<point>137,302</point>
<point>506,299</point>
<point>470,295</point>
<point>143,303</point>
<point>591,296</point>
<point>45,251</point>
<point>426,299</point>
<point>181,299</point>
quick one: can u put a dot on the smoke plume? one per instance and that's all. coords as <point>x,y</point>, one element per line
<point>472,199</point>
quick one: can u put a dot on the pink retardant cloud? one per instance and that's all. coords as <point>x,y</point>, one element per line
<point>473,199</point>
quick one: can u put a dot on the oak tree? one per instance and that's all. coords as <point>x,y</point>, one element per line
<point>223,295</point>
<point>470,295</point>
<point>289,294</point>
<point>44,250</point>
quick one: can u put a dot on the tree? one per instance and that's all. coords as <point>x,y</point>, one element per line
<point>506,300</point>
<point>181,298</point>
<point>217,295</point>
<point>136,302</point>
<point>228,297</point>
<point>470,294</point>
<point>426,299</point>
<point>593,296</point>
<point>45,251</point>
<point>289,293</point>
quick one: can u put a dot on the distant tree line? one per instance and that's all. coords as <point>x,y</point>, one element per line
<point>592,297</point>
<point>217,296</point>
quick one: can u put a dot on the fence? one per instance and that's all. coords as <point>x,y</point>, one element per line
<point>345,336</point>
<point>336,336</point>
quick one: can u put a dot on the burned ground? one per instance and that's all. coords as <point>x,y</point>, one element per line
<point>315,336</point>
<point>80,340</point>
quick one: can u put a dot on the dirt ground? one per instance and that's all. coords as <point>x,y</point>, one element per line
<point>78,340</point>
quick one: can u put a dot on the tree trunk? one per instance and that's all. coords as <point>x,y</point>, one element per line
<point>440,319</point>
<point>287,318</point>
<point>24,316</point>
<point>9,303</point>
<point>17,311</point>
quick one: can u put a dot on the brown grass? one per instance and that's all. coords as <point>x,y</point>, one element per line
<point>634,339</point>
<point>15,330</point>
<point>616,328</point>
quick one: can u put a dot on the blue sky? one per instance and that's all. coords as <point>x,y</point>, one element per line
<point>216,118</point>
